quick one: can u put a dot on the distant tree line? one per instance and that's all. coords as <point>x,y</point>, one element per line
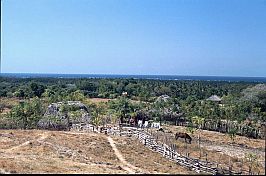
<point>187,99</point>
<point>137,89</point>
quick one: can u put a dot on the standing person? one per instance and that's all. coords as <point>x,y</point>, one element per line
<point>136,121</point>
<point>143,121</point>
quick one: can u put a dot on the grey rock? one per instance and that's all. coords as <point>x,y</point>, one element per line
<point>55,119</point>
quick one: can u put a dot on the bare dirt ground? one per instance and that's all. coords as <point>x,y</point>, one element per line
<point>5,111</point>
<point>149,162</point>
<point>38,151</point>
<point>220,148</point>
<point>126,166</point>
<point>211,138</point>
<point>98,100</point>
<point>9,101</point>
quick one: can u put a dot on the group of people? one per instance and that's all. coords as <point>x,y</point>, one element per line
<point>142,123</point>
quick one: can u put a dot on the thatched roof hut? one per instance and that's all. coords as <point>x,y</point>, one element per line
<point>163,98</point>
<point>214,98</point>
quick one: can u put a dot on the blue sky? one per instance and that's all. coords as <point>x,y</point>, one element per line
<point>169,37</point>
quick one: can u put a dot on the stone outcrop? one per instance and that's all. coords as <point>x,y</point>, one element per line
<point>56,118</point>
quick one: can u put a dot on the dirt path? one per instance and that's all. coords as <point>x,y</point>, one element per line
<point>233,151</point>
<point>43,136</point>
<point>125,165</point>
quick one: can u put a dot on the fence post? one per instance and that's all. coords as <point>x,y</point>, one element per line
<point>249,170</point>
<point>144,141</point>
<point>241,168</point>
<point>218,162</point>
<point>230,167</point>
<point>258,171</point>
<point>172,154</point>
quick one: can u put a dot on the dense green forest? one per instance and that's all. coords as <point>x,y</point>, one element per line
<point>144,90</point>
<point>145,98</point>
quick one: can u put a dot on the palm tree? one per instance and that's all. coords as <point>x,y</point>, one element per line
<point>98,115</point>
<point>111,116</point>
<point>160,107</point>
<point>77,96</point>
<point>232,134</point>
<point>20,115</point>
<point>199,122</point>
<point>190,129</point>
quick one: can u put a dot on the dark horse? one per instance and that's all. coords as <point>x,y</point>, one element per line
<point>183,135</point>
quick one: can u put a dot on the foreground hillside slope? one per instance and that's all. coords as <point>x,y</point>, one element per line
<point>39,151</point>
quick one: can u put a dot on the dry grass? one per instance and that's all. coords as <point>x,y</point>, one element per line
<point>219,148</point>
<point>58,153</point>
<point>38,151</point>
<point>222,138</point>
<point>98,100</point>
<point>146,159</point>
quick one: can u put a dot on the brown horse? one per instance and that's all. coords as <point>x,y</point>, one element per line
<point>183,135</point>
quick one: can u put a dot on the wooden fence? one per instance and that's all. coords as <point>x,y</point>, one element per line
<point>169,152</point>
<point>164,147</point>
<point>257,132</point>
<point>83,127</point>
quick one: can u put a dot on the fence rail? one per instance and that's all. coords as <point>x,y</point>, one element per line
<point>168,151</point>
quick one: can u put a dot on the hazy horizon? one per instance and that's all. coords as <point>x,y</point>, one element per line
<point>123,37</point>
<point>17,73</point>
